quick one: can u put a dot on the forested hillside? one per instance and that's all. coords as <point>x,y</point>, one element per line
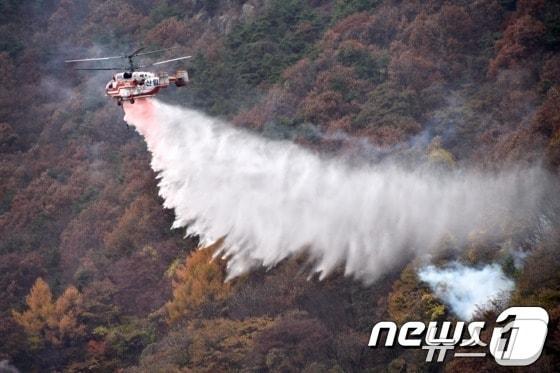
<point>94,279</point>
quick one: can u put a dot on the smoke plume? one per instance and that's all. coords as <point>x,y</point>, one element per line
<point>273,199</point>
<point>467,289</point>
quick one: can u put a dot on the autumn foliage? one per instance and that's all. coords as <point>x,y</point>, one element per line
<point>450,83</point>
<point>47,320</point>
<point>198,282</point>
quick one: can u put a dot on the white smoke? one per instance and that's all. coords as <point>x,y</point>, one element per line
<point>6,367</point>
<point>467,289</point>
<point>273,199</point>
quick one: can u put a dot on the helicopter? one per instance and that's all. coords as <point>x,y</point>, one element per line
<point>131,83</point>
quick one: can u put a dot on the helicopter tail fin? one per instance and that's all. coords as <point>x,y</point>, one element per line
<point>182,78</point>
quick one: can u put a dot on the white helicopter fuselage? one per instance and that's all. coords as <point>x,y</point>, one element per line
<point>126,86</point>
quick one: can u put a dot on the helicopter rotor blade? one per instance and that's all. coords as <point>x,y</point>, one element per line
<point>156,51</point>
<point>104,68</point>
<point>94,59</point>
<point>171,60</point>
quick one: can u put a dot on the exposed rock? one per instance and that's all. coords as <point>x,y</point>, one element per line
<point>225,23</point>
<point>247,12</point>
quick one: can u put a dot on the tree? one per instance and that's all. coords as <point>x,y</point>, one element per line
<point>45,320</point>
<point>294,341</point>
<point>412,300</point>
<point>520,40</point>
<point>41,309</point>
<point>64,323</point>
<point>139,224</point>
<point>168,32</point>
<point>198,282</point>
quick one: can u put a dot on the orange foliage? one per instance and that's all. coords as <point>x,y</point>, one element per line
<point>64,322</point>
<point>169,32</point>
<point>119,16</point>
<point>280,102</point>
<point>137,225</point>
<point>322,107</point>
<point>96,348</point>
<point>547,124</point>
<point>231,340</point>
<point>412,300</point>
<point>519,41</point>
<point>413,70</point>
<point>77,186</point>
<point>41,309</point>
<point>45,320</point>
<point>200,280</point>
